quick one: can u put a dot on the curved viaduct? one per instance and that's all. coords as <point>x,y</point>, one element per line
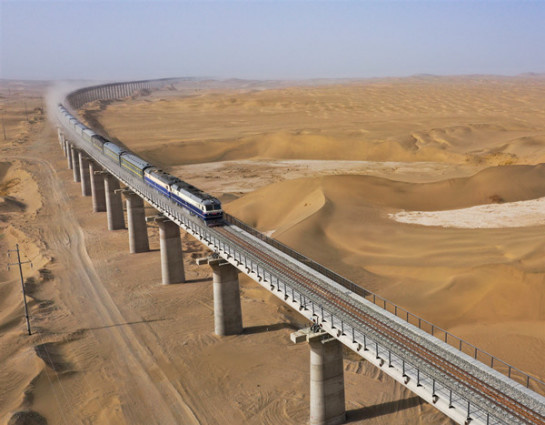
<point>464,382</point>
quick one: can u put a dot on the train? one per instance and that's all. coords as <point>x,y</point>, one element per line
<point>201,204</point>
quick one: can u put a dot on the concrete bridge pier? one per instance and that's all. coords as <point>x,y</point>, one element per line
<point>172,264</point>
<point>327,405</point>
<point>114,203</point>
<point>68,148</point>
<point>136,216</point>
<point>97,187</point>
<point>85,176</point>
<point>62,142</point>
<point>227,310</point>
<point>74,155</point>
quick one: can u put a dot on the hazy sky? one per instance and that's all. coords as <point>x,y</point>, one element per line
<point>268,39</point>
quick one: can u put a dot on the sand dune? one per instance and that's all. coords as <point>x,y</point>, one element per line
<point>491,120</point>
<point>497,184</point>
<point>268,209</point>
<point>449,277</point>
<point>18,190</point>
<point>21,368</point>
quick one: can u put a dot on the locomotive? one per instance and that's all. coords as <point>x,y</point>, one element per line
<point>197,202</point>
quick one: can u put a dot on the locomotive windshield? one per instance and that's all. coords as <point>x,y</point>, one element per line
<point>213,207</point>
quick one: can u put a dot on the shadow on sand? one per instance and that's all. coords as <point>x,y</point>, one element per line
<point>268,328</point>
<point>382,409</point>
<point>202,279</point>
<point>125,324</point>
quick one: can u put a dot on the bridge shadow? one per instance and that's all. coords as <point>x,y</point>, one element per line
<point>202,279</point>
<point>269,328</point>
<point>115,325</point>
<point>382,409</point>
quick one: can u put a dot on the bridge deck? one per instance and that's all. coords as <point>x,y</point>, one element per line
<point>454,382</point>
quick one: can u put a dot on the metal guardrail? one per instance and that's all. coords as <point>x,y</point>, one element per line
<point>78,98</point>
<point>87,94</point>
<point>375,347</point>
<point>466,347</point>
<point>366,337</point>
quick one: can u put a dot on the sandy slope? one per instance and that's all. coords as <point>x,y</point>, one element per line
<point>451,277</point>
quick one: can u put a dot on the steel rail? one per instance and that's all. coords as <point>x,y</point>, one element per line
<point>508,370</point>
<point>162,203</point>
<point>115,90</point>
<point>339,306</point>
<point>501,400</point>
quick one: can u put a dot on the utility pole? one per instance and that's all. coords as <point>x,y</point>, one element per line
<point>4,126</point>
<point>19,263</point>
<point>26,112</point>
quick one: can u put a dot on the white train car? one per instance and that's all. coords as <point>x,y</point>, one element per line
<point>160,180</point>
<point>203,205</point>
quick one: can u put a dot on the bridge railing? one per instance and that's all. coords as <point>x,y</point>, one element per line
<point>466,347</point>
<point>316,307</point>
<point>80,97</point>
<point>365,336</point>
<point>116,90</point>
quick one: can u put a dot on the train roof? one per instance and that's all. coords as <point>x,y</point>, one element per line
<point>162,175</point>
<point>194,192</point>
<point>99,137</point>
<point>114,148</point>
<point>135,160</point>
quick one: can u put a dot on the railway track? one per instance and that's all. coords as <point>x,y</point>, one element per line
<point>490,393</point>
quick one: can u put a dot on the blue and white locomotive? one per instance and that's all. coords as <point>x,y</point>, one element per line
<point>197,202</point>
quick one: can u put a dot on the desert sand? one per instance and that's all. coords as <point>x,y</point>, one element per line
<point>325,168</point>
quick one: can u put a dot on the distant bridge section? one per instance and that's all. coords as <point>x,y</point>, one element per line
<point>78,98</point>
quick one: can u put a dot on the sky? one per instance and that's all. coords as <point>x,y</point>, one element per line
<point>128,39</point>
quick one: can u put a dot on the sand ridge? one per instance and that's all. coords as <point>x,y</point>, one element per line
<point>456,120</point>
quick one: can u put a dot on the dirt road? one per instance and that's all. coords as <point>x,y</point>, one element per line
<point>87,299</point>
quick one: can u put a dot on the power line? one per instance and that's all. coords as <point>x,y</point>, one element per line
<point>20,263</point>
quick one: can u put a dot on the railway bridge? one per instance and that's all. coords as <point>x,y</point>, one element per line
<point>462,381</point>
